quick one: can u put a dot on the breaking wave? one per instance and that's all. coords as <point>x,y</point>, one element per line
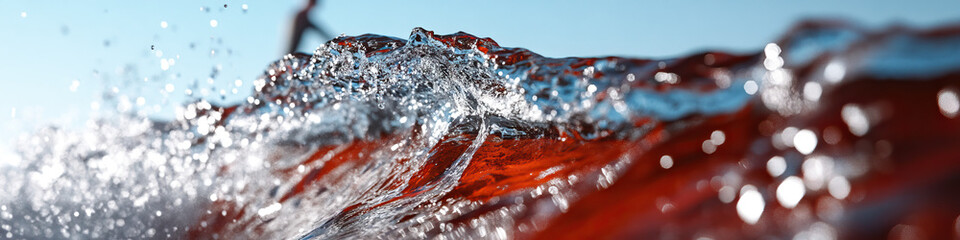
<point>833,131</point>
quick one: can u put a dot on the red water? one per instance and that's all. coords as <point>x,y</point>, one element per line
<point>907,181</point>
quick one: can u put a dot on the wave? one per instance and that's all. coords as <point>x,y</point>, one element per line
<point>833,131</point>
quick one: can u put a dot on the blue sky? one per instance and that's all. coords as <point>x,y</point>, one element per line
<point>57,58</point>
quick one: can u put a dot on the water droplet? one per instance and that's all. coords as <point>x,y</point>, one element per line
<point>751,204</point>
<point>812,91</point>
<point>839,187</point>
<point>163,24</point>
<point>832,135</point>
<point>214,23</point>
<point>856,119</point>
<point>717,137</point>
<point>664,77</point>
<point>956,225</point>
<point>750,87</point>
<point>269,210</point>
<point>771,50</point>
<point>727,194</point>
<point>776,166</point>
<point>948,102</point>
<point>774,63</point>
<point>74,85</point>
<point>708,147</point>
<point>834,71</point>
<point>805,141</point>
<point>666,162</point>
<point>773,60</point>
<point>790,191</point>
<point>152,47</point>
<point>903,231</point>
<point>23,14</point>
<point>816,170</point>
<point>164,64</point>
<point>786,136</point>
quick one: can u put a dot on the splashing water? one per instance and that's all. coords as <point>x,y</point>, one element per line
<point>832,132</point>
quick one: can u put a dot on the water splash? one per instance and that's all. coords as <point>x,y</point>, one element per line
<point>453,136</point>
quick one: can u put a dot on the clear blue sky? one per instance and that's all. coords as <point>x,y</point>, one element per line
<point>47,47</point>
